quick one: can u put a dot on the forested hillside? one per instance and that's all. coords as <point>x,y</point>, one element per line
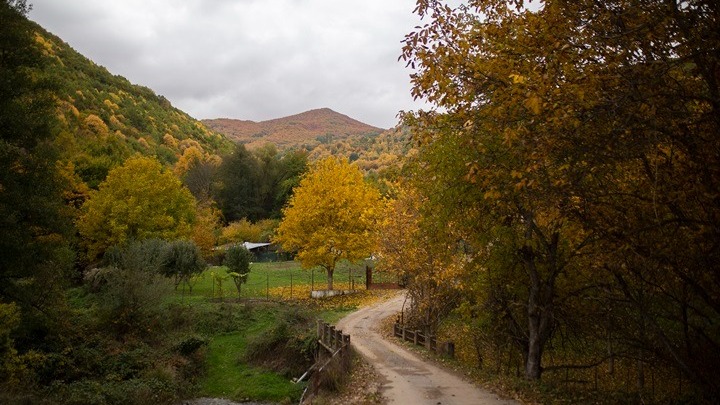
<point>104,119</point>
<point>322,133</point>
<point>304,130</point>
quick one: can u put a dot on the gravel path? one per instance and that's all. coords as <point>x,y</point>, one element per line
<point>408,379</point>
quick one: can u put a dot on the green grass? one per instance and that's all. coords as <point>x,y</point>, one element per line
<point>228,377</point>
<point>268,276</point>
<point>226,374</point>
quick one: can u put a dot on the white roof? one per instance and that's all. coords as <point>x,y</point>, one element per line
<point>251,245</point>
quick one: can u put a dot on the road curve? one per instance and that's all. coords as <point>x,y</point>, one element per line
<point>408,378</point>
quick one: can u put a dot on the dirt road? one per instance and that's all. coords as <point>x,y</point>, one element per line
<point>409,379</point>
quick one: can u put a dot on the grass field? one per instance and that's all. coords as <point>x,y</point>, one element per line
<point>271,290</point>
<point>277,280</point>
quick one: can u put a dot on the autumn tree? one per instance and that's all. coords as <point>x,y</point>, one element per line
<point>331,216</point>
<point>206,229</point>
<point>138,200</point>
<point>197,169</point>
<point>589,124</point>
<point>423,256</point>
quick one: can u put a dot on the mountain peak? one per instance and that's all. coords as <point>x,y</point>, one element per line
<point>292,131</point>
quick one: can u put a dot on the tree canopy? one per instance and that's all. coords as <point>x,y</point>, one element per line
<point>34,230</point>
<point>577,141</point>
<point>257,184</point>
<point>138,200</point>
<point>330,217</point>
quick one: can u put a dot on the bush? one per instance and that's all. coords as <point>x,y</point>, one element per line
<point>237,260</point>
<point>224,318</point>
<point>132,301</point>
<point>147,255</point>
<point>191,344</point>
<point>181,260</point>
<point>288,347</point>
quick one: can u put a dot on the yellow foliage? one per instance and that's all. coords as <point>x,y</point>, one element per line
<point>331,216</point>
<point>76,191</point>
<point>245,231</point>
<point>190,157</point>
<point>94,126</point>
<point>138,200</point>
<point>206,228</point>
<point>112,106</point>
<point>170,141</point>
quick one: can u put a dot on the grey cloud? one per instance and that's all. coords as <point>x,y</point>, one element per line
<point>249,59</point>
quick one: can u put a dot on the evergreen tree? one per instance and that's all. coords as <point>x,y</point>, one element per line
<point>32,227</point>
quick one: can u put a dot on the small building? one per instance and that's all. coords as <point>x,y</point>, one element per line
<point>261,251</point>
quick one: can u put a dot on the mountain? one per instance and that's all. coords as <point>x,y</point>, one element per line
<point>304,130</point>
<point>103,118</point>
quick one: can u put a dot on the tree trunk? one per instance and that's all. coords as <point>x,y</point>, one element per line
<point>330,279</point>
<point>534,356</point>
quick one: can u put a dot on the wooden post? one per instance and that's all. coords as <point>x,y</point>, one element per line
<point>338,339</point>
<point>417,332</point>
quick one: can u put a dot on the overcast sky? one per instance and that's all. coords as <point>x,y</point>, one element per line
<point>249,59</point>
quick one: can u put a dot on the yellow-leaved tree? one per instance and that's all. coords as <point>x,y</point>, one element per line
<point>331,216</point>
<point>138,200</point>
<point>426,255</point>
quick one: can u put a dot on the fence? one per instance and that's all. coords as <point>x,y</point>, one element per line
<point>420,339</point>
<point>335,343</point>
<point>330,338</point>
<point>285,281</point>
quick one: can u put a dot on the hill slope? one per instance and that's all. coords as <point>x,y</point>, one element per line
<point>296,131</point>
<point>103,118</point>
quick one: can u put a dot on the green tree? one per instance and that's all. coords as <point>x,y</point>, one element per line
<point>138,200</point>
<point>256,184</point>
<point>237,260</point>
<point>237,189</point>
<point>34,230</point>
<point>331,216</point>
<point>182,260</point>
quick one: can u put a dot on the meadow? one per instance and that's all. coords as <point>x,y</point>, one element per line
<point>274,301</point>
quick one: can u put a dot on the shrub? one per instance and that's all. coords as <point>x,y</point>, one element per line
<point>288,347</point>
<point>237,260</point>
<point>132,301</point>
<point>181,260</point>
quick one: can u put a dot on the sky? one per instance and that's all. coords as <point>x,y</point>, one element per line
<point>249,59</point>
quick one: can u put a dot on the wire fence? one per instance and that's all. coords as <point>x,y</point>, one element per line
<point>283,281</point>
